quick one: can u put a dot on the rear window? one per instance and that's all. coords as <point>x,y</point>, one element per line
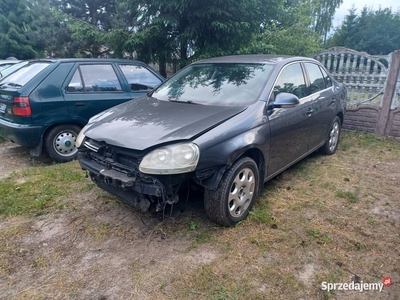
<point>5,66</point>
<point>12,69</point>
<point>140,78</point>
<point>25,74</point>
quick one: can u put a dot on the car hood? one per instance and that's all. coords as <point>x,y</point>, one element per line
<point>146,122</point>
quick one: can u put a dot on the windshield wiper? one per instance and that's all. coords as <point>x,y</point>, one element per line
<point>184,101</point>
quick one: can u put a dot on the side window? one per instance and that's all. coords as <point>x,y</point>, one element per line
<point>317,81</point>
<point>139,78</point>
<point>328,80</point>
<point>291,80</point>
<point>76,85</point>
<point>94,79</point>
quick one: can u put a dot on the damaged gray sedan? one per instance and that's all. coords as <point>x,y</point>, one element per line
<point>226,125</point>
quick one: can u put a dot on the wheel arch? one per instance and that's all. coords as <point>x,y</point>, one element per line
<point>39,149</point>
<point>50,127</point>
<point>341,117</point>
<point>254,153</point>
<point>42,147</point>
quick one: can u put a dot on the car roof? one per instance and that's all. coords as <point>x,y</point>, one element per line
<point>9,62</point>
<point>255,58</point>
<point>117,60</point>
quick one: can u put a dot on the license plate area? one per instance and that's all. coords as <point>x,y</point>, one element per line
<point>116,178</point>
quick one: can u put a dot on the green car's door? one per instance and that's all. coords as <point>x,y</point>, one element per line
<point>92,88</point>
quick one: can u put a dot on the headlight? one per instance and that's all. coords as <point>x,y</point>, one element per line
<point>81,137</point>
<point>171,159</point>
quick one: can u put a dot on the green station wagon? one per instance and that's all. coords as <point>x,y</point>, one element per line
<point>44,104</point>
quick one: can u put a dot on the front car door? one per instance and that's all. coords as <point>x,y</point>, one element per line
<point>289,126</point>
<point>93,88</point>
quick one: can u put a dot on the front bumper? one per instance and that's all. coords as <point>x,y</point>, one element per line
<point>107,175</point>
<point>128,184</point>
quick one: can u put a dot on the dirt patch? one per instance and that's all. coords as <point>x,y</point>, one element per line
<point>104,251</point>
<point>15,158</point>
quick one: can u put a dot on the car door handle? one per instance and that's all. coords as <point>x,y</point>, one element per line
<point>79,104</point>
<point>309,112</point>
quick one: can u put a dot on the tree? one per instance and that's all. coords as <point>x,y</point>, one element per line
<point>86,20</point>
<point>290,32</point>
<point>323,12</point>
<point>192,29</point>
<point>14,17</point>
<point>375,32</point>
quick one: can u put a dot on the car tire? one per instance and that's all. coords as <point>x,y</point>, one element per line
<point>235,195</point>
<point>60,142</point>
<point>332,141</point>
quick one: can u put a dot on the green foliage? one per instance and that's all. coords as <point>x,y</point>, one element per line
<point>318,236</point>
<point>88,23</point>
<point>189,30</point>
<point>324,10</point>
<point>281,36</point>
<point>175,31</point>
<point>14,41</point>
<point>350,196</point>
<point>375,32</point>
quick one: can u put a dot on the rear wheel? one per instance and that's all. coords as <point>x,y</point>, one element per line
<point>235,195</point>
<point>60,142</point>
<point>332,141</point>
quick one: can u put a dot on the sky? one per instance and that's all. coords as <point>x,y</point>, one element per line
<point>343,10</point>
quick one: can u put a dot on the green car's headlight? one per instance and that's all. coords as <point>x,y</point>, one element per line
<point>171,159</point>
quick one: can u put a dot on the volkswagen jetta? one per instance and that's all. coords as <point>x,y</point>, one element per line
<point>226,124</point>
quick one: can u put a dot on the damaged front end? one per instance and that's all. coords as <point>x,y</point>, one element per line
<point>116,170</point>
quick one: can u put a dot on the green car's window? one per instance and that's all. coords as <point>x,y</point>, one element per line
<point>94,79</point>
<point>76,84</point>
<point>139,78</point>
<point>25,74</point>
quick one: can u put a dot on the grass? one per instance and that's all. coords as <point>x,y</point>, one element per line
<point>39,190</point>
<point>328,218</point>
<point>350,196</point>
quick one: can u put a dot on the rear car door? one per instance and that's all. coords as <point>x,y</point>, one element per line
<point>289,126</point>
<point>92,88</point>
<point>323,97</point>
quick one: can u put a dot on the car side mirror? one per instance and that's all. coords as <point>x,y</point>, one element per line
<point>285,100</point>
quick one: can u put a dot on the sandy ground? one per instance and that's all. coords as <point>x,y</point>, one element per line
<point>104,250</point>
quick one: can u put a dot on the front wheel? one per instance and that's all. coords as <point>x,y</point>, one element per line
<point>235,195</point>
<point>60,142</point>
<point>332,141</point>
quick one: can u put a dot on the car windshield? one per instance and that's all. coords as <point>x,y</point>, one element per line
<point>222,84</point>
<point>23,75</point>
